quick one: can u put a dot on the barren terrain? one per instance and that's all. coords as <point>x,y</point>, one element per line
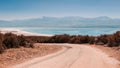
<point>73,56</point>
<point>17,55</point>
<point>111,51</point>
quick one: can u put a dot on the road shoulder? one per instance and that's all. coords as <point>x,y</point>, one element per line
<point>19,55</point>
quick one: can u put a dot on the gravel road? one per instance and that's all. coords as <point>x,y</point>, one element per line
<point>72,56</point>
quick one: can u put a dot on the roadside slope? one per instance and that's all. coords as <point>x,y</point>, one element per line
<point>17,55</point>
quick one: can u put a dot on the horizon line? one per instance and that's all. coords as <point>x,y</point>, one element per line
<point>40,17</point>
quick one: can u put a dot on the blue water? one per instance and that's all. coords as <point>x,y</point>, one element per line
<point>73,31</point>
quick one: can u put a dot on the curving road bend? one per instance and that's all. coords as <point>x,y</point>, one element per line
<point>72,56</point>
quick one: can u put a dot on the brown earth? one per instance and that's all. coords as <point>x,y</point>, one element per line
<point>76,56</point>
<point>111,51</point>
<point>19,55</point>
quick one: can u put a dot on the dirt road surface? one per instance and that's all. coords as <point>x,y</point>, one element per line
<point>72,56</point>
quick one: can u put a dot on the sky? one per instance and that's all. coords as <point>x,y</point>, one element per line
<point>25,9</point>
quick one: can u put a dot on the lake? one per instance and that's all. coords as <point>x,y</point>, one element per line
<point>73,31</point>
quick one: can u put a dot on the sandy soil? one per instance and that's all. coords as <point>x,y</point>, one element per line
<point>18,55</point>
<point>111,51</point>
<point>74,56</point>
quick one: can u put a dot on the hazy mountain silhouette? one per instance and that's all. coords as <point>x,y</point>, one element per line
<point>71,21</point>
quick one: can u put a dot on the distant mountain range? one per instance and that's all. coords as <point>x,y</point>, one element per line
<point>72,22</point>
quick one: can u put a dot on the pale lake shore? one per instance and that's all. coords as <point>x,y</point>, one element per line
<point>20,32</point>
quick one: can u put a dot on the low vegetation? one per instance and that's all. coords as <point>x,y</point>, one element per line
<point>10,40</point>
<point>110,40</point>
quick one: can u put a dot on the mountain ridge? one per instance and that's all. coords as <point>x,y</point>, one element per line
<point>70,21</point>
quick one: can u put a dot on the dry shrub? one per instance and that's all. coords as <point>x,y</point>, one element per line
<point>10,40</point>
<point>59,39</point>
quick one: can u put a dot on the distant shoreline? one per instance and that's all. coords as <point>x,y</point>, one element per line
<point>20,32</point>
<point>65,27</point>
<point>44,31</point>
